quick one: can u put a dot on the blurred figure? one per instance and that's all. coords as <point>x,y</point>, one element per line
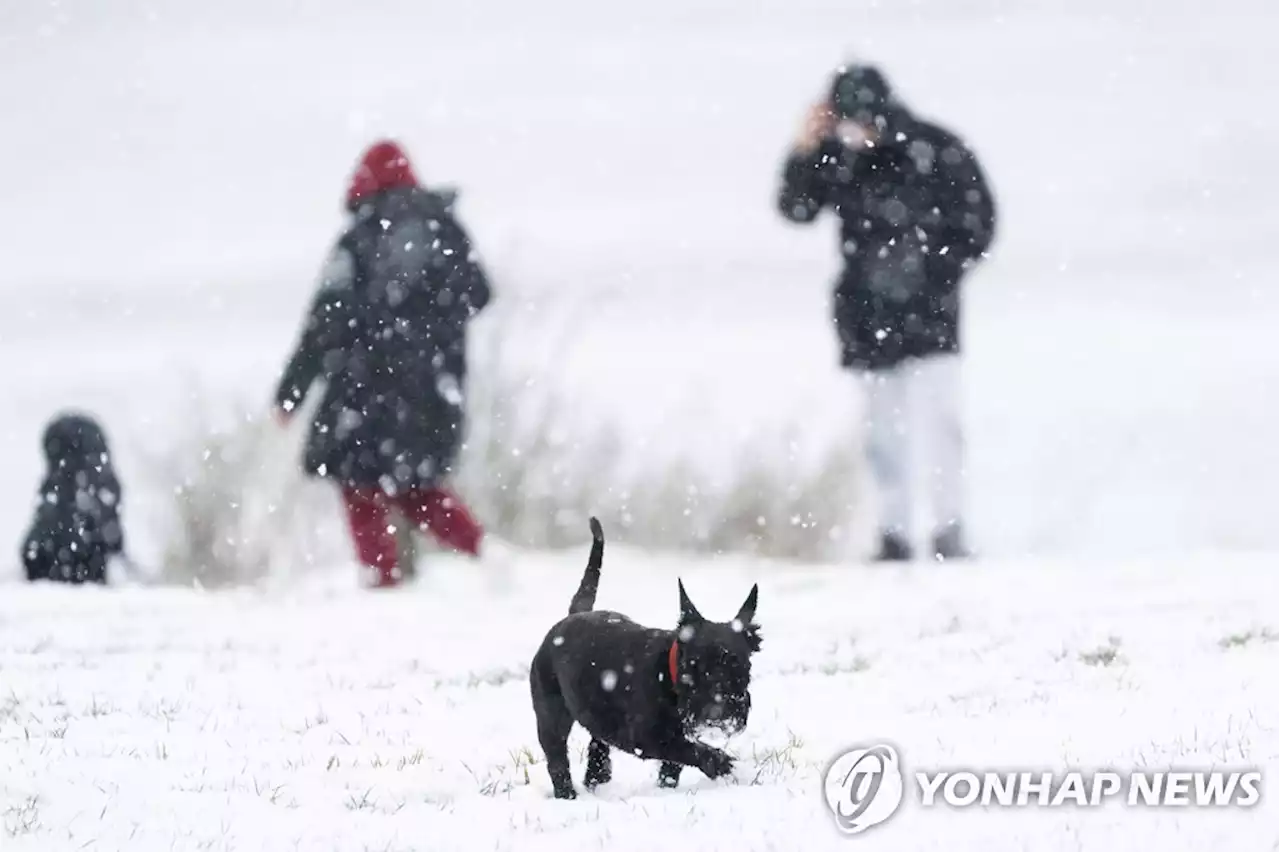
<point>386,334</point>
<point>76,529</point>
<point>916,214</point>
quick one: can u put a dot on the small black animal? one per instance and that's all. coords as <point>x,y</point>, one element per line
<point>638,689</point>
<point>76,527</point>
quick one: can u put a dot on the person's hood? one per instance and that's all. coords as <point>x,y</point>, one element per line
<point>75,440</point>
<point>861,93</point>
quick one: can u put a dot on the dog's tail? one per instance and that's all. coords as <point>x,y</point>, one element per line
<point>584,600</point>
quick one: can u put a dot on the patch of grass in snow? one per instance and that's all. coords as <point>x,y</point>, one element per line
<point>366,801</point>
<point>492,783</point>
<point>491,677</point>
<point>315,721</point>
<point>361,802</point>
<point>9,707</point>
<point>523,758</point>
<point>1265,635</point>
<point>22,818</point>
<point>266,790</point>
<point>496,787</point>
<point>534,472</point>
<point>776,762</point>
<point>1103,655</point>
<point>164,709</point>
<point>501,779</point>
<point>240,504</point>
<point>410,760</point>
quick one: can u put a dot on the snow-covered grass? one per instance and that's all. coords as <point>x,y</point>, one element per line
<point>535,466</point>
<point>240,511</point>
<point>323,717</point>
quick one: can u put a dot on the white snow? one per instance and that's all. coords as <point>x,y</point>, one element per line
<point>175,182</point>
<point>324,717</point>
<point>170,178</point>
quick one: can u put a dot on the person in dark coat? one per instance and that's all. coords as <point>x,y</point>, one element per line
<point>386,333</point>
<point>916,215</point>
<point>76,529</point>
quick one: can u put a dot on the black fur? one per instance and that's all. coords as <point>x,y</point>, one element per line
<point>76,527</point>
<point>612,676</point>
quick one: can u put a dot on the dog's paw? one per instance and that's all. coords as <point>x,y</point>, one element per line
<point>601,776</point>
<point>566,793</point>
<point>669,775</point>
<point>599,765</point>
<point>716,764</point>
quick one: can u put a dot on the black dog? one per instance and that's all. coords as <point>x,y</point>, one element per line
<point>76,528</point>
<point>638,689</point>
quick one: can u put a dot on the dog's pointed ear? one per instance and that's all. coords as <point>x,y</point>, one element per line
<point>747,614</point>
<point>688,612</point>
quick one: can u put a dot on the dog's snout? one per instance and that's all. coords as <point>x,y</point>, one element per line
<point>715,711</point>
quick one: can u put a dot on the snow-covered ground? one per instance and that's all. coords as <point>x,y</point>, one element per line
<point>321,719</point>
<point>171,178</point>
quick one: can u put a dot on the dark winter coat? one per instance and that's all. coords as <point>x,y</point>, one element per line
<point>916,213</point>
<point>77,527</point>
<point>386,335</point>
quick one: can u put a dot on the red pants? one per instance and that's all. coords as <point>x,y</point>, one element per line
<point>434,508</point>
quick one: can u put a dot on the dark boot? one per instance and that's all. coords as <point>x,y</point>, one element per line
<point>948,544</point>
<point>893,548</point>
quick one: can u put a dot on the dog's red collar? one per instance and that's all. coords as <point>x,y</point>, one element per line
<point>672,660</point>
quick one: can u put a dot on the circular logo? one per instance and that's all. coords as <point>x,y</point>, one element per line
<point>863,787</point>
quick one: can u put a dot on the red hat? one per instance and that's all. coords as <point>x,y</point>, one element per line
<point>384,166</point>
